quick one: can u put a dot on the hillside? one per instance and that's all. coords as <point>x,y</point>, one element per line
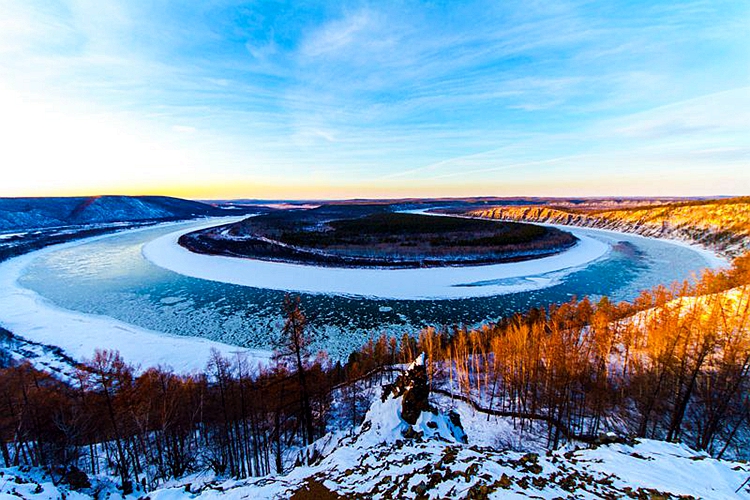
<point>26,213</point>
<point>722,225</point>
<point>410,447</point>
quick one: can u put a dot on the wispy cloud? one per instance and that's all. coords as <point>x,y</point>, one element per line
<point>340,36</point>
<point>477,92</point>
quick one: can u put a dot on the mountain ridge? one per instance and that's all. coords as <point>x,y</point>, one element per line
<point>37,213</point>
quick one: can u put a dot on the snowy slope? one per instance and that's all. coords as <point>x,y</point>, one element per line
<point>23,213</point>
<point>434,469</point>
<point>389,458</point>
<point>379,462</point>
<point>407,448</point>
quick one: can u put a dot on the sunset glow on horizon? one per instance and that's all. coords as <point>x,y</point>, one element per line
<point>226,99</point>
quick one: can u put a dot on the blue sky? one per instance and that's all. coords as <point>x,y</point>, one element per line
<point>356,99</point>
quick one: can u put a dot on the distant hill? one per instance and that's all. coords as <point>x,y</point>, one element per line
<point>28,213</point>
<point>720,224</point>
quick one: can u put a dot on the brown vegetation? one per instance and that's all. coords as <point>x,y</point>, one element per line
<point>236,419</point>
<point>720,224</point>
<point>674,364</point>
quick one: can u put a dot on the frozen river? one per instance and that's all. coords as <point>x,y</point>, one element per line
<point>111,277</point>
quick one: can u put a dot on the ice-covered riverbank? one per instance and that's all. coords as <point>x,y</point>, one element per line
<point>404,284</point>
<point>33,317</point>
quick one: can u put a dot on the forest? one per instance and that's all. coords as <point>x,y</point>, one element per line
<point>380,239</point>
<point>672,365</point>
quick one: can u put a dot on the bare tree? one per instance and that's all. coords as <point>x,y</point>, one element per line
<point>294,344</point>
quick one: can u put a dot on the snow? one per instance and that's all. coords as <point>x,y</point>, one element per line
<point>7,236</point>
<point>646,469</point>
<point>664,467</point>
<point>417,362</point>
<point>417,284</point>
<point>31,316</point>
<point>497,432</point>
<point>379,462</point>
<point>384,423</point>
<point>15,484</point>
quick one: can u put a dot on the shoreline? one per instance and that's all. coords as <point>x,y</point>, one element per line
<point>386,250</point>
<point>433,283</point>
<point>36,319</point>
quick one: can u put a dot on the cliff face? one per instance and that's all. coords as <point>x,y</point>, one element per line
<point>721,225</point>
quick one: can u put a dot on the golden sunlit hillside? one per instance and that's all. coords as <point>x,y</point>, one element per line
<point>722,225</point>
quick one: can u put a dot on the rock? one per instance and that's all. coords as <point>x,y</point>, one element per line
<point>414,387</point>
<point>404,412</point>
<point>76,479</point>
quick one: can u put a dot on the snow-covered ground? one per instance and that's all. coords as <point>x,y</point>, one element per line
<point>7,236</point>
<point>31,316</point>
<point>433,461</point>
<point>438,470</point>
<point>426,284</point>
<point>382,461</point>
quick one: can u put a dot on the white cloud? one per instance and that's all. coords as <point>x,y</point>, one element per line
<point>339,35</point>
<point>387,93</point>
<point>722,112</point>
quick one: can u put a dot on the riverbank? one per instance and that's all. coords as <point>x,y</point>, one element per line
<point>31,317</point>
<point>405,284</point>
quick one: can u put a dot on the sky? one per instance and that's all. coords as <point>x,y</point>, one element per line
<point>301,100</point>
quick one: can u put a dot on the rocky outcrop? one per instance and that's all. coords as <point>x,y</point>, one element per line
<point>413,388</point>
<point>404,412</point>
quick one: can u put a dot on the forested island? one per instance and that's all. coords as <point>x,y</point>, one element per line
<point>371,236</point>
